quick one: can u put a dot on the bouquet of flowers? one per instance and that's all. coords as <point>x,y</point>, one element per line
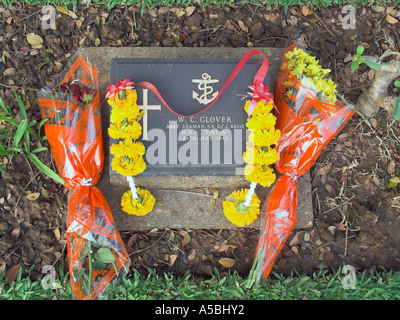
<point>128,154</point>
<point>309,117</point>
<point>96,252</point>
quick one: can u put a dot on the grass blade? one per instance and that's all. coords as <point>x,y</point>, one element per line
<point>396,112</point>
<point>20,132</point>
<point>40,126</point>
<point>46,170</point>
<point>6,136</point>
<point>2,105</point>
<point>21,105</point>
<point>39,150</point>
<point>15,149</point>
<point>5,153</point>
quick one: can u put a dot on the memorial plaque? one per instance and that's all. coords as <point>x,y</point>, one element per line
<point>185,139</point>
<point>184,195</point>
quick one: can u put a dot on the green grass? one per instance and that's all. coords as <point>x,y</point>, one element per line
<point>382,285</point>
<point>179,3</point>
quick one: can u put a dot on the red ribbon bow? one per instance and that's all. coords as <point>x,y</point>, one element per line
<point>260,92</point>
<point>119,86</point>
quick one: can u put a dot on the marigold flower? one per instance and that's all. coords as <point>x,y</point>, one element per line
<point>261,174</point>
<point>124,113</point>
<point>127,97</point>
<point>128,166</point>
<point>236,212</point>
<point>128,148</point>
<point>125,130</point>
<point>264,137</point>
<point>261,107</point>
<point>140,206</point>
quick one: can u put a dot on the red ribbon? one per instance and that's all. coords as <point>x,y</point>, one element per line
<point>260,93</point>
<point>119,86</point>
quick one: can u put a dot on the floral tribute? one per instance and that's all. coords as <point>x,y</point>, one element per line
<point>128,153</point>
<point>97,255</point>
<point>243,206</point>
<point>309,117</point>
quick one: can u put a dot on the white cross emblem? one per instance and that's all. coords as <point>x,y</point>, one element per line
<point>147,107</point>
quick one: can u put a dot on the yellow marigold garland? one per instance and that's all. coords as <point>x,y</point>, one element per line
<point>128,154</point>
<point>242,206</point>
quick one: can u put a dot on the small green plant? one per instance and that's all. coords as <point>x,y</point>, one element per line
<point>15,137</point>
<point>358,58</point>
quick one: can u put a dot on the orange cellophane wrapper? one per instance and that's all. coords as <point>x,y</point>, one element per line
<point>74,133</point>
<point>307,125</point>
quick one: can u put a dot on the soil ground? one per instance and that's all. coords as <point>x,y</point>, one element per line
<point>356,214</point>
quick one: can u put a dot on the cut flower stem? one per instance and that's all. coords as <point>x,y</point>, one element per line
<point>132,186</point>
<point>250,194</point>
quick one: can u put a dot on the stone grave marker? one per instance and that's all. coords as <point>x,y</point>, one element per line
<point>187,157</point>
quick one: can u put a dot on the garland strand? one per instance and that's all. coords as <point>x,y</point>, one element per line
<point>243,206</point>
<point>128,153</point>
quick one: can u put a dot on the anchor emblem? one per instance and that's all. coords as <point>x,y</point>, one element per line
<point>206,88</point>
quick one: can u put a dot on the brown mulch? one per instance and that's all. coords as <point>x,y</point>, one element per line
<point>356,214</point>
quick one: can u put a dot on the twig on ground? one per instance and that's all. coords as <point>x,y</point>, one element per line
<point>144,249</point>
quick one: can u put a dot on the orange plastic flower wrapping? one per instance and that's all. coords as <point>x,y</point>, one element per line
<point>307,125</point>
<point>96,252</point>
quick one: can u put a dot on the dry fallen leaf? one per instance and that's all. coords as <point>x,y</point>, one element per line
<point>16,232</point>
<point>391,19</point>
<point>132,240</point>
<point>379,9</point>
<point>34,39</point>
<point>72,14</point>
<point>6,54</point>
<point>305,10</point>
<point>12,273</point>
<point>33,196</point>
<point>172,259</point>
<point>2,266</point>
<point>189,10</point>
<point>186,240</point>
<point>223,248</point>
<point>27,105</point>
<point>192,254</point>
<point>348,58</point>
<point>391,167</point>
<point>242,26</point>
<point>9,72</point>
<point>62,9</point>
<point>57,233</point>
<point>180,14</point>
<point>82,40</point>
<point>78,24</point>
<point>226,262</point>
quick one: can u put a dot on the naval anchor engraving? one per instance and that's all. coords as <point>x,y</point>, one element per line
<point>206,89</point>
